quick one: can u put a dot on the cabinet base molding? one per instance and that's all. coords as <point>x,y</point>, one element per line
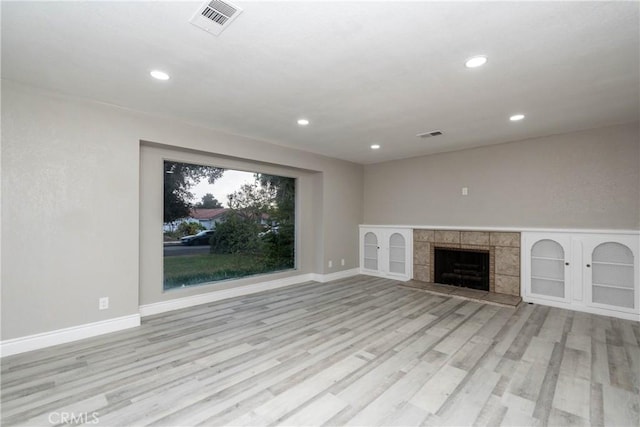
<point>584,309</point>
<point>383,275</point>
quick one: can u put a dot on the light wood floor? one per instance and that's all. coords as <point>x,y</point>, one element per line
<point>361,351</point>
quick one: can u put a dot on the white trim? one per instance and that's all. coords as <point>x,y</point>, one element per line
<point>584,309</point>
<point>75,333</point>
<point>61,336</point>
<point>397,277</point>
<point>509,229</point>
<point>190,301</point>
<point>323,278</point>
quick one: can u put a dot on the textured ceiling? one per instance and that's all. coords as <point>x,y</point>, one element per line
<point>361,72</point>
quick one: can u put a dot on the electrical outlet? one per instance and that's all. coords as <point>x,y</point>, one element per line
<point>330,263</point>
<point>103,303</point>
<point>465,191</point>
<point>342,261</point>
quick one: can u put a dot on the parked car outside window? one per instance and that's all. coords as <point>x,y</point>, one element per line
<point>202,238</point>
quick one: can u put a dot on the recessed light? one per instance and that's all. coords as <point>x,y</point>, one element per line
<point>516,117</point>
<point>160,75</point>
<point>476,61</point>
<point>303,122</point>
<point>375,146</point>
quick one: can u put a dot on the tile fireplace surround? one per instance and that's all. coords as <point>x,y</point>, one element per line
<point>503,247</point>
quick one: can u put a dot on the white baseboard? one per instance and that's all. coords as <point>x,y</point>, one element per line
<point>190,301</point>
<point>61,336</point>
<point>323,278</point>
<point>75,333</point>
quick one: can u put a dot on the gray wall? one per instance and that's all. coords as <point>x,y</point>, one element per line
<point>584,179</point>
<point>70,206</point>
<point>72,171</point>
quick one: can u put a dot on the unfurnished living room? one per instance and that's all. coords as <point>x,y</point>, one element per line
<point>320,213</point>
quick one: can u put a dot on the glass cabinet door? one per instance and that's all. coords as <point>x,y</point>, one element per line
<point>548,260</point>
<point>397,254</point>
<point>612,275</point>
<point>370,251</point>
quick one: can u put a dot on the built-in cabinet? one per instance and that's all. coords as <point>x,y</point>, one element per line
<point>596,273</point>
<point>386,252</point>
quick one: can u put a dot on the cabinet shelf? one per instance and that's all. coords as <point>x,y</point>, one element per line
<point>546,258</point>
<point>618,264</point>
<point>602,285</point>
<point>548,278</point>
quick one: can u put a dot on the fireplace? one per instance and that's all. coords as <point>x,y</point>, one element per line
<point>503,248</point>
<point>462,267</point>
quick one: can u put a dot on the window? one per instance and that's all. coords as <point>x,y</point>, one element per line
<point>222,224</point>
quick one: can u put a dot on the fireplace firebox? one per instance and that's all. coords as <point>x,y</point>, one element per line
<point>462,267</point>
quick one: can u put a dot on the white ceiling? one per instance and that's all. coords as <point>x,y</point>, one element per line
<point>361,72</point>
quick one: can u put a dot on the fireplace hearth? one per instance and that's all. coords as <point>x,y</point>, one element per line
<point>461,267</point>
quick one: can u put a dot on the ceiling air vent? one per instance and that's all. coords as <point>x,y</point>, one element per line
<point>214,16</point>
<point>429,134</point>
